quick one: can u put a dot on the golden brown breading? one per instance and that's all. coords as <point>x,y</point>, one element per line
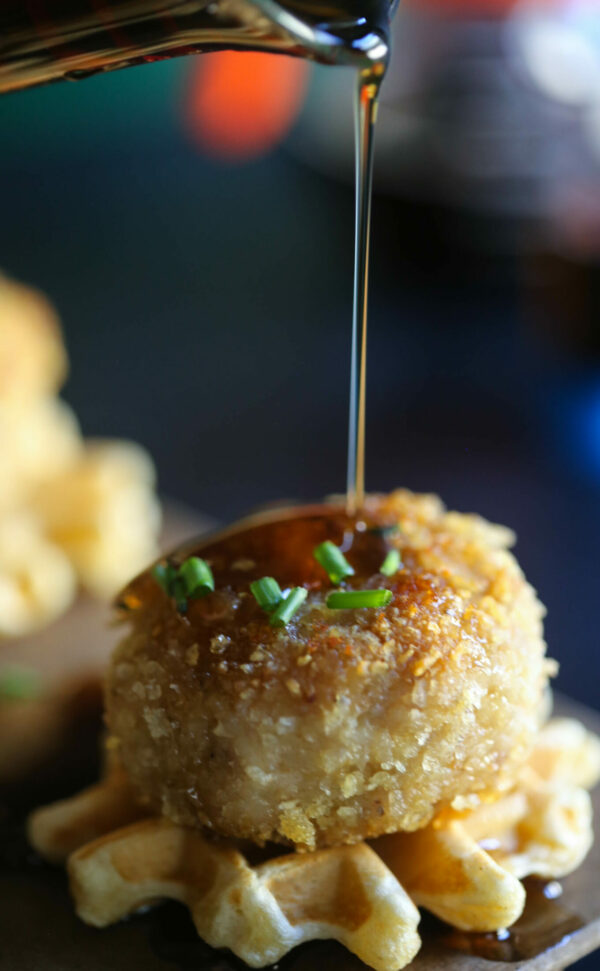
<point>346,723</point>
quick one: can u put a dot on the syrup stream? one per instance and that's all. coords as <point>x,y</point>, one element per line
<point>365,113</point>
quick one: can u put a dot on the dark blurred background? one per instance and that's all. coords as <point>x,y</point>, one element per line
<point>206,289</point>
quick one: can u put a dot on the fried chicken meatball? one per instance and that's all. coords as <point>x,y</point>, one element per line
<point>347,723</point>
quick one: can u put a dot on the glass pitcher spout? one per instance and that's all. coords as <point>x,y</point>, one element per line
<point>347,33</point>
<point>72,39</point>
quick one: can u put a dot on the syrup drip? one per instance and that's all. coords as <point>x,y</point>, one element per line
<point>365,114</point>
<point>544,924</point>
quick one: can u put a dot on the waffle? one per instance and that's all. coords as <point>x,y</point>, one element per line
<point>59,830</point>
<point>466,866</point>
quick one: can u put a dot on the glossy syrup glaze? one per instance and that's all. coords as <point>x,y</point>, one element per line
<point>279,544</point>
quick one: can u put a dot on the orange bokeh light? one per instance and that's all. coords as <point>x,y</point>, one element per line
<point>239,105</point>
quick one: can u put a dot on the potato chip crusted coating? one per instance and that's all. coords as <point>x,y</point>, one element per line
<point>345,724</point>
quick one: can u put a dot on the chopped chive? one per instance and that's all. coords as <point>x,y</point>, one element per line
<point>267,593</point>
<point>164,574</point>
<point>348,599</point>
<point>19,684</point>
<point>192,579</point>
<point>197,577</point>
<point>391,564</point>
<point>333,561</point>
<point>288,607</point>
<point>179,594</point>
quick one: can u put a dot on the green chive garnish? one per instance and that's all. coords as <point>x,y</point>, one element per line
<point>19,684</point>
<point>179,594</point>
<point>391,564</point>
<point>333,561</point>
<point>349,599</point>
<point>193,579</point>
<point>288,607</point>
<point>197,577</point>
<point>164,574</point>
<point>267,593</point>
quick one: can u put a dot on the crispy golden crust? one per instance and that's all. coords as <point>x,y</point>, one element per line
<point>345,724</point>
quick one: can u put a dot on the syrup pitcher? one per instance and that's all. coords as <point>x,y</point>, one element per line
<point>73,39</point>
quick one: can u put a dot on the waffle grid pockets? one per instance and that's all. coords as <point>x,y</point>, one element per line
<point>466,866</point>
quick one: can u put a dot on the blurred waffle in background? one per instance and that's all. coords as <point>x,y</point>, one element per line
<point>71,511</point>
<point>74,514</point>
